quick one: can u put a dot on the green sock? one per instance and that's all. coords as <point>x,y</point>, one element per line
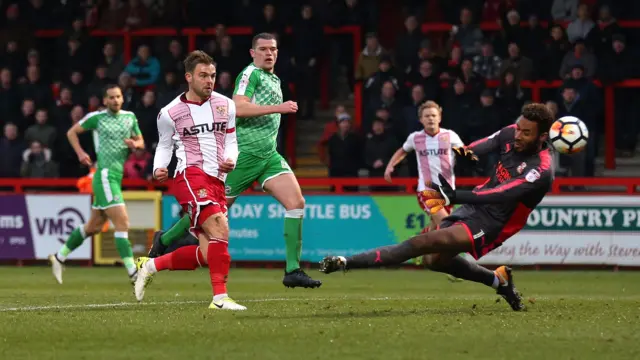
<point>124,249</point>
<point>176,231</point>
<point>293,238</point>
<point>76,238</point>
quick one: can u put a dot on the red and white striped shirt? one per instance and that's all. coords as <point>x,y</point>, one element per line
<point>434,155</point>
<point>203,134</point>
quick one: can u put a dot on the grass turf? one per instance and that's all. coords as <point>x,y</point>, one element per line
<point>377,314</point>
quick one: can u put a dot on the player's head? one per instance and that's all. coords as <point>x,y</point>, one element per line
<point>200,73</point>
<point>264,51</point>
<point>430,114</point>
<point>112,98</point>
<point>532,128</point>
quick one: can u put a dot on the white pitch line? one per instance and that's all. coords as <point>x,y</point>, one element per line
<point>423,298</point>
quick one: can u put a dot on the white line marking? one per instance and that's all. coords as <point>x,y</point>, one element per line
<point>423,298</point>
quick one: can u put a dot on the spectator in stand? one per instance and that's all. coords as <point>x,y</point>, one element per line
<point>582,26</point>
<point>308,38</point>
<point>387,100</point>
<point>345,151</point>
<point>601,36</point>
<point>468,35</point>
<point>15,30</point>
<point>9,97</point>
<point>173,60</point>
<point>130,96</point>
<point>520,65</point>
<point>512,32</point>
<point>378,149</point>
<point>429,81</point>
<point>113,16</point>
<point>228,60</point>
<point>37,162</point>
<point>408,44</point>
<point>65,155</point>
<point>580,55</point>
<point>458,106</point>
<point>113,61</point>
<point>473,82</point>
<point>438,63</point>
<point>74,58</point>
<point>170,88</point>
<point>587,91</point>
<point>485,120</point>
<point>36,89</point>
<point>78,88</point>
<point>385,73</point>
<point>493,10</point>
<point>224,84</point>
<point>510,96</point>
<point>33,59</point>
<point>144,68</point>
<point>100,80</point>
<point>564,10</point>
<point>556,49</point>
<point>533,41</point>
<point>27,115</point>
<point>453,64</point>
<point>369,59</point>
<point>410,112</point>
<point>487,64</point>
<point>147,114</point>
<point>63,107</point>
<point>41,131</point>
<point>134,167</point>
<point>12,59</point>
<point>136,17</point>
<point>269,22</point>
<point>11,148</point>
<point>618,65</point>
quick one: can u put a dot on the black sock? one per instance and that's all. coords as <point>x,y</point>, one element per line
<point>384,256</point>
<point>463,269</point>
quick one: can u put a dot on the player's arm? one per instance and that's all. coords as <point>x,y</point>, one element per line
<point>89,122</point>
<point>508,191</point>
<point>246,85</point>
<point>136,141</point>
<point>399,155</point>
<point>493,142</point>
<point>231,139</point>
<point>164,149</point>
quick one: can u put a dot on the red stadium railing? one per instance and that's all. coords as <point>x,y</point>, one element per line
<point>192,33</point>
<point>617,186</point>
<point>536,86</point>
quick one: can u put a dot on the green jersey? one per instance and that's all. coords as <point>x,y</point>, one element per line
<point>257,135</point>
<point>109,133</point>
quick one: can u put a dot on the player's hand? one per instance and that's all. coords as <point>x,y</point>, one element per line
<point>85,159</point>
<point>289,107</point>
<point>387,173</point>
<point>227,166</point>
<point>130,143</point>
<point>463,152</point>
<point>161,174</point>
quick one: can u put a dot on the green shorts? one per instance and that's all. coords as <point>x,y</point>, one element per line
<point>251,168</point>
<point>107,189</point>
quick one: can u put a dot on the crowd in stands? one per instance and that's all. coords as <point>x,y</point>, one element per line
<point>48,84</point>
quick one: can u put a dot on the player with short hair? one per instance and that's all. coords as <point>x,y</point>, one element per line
<point>258,99</point>
<point>435,149</point>
<point>201,125</point>
<point>490,214</point>
<point>115,131</point>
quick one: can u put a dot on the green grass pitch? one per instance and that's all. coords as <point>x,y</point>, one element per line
<point>377,314</point>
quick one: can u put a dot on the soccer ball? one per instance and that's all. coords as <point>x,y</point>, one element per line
<point>569,135</point>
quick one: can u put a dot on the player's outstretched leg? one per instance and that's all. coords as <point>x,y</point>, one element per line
<point>286,190</point>
<point>75,239</point>
<point>162,240</point>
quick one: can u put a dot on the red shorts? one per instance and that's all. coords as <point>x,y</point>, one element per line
<point>200,195</point>
<point>422,202</point>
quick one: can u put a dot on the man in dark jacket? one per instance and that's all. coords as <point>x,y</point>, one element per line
<point>11,148</point>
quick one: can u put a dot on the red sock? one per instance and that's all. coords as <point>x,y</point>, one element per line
<point>184,258</point>
<point>219,261</point>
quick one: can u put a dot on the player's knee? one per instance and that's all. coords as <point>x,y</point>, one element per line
<point>216,227</point>
<point>295,203</point>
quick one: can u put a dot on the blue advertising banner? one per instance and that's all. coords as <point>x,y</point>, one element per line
<point>332,224</point>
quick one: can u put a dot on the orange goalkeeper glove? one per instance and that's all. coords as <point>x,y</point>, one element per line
<point>465,153</point>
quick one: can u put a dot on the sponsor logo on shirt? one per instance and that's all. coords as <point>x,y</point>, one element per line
<point>205,128</point>
<point>532,175</point>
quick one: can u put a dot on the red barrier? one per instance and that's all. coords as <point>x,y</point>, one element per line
<point>629,185</point>
<point>192,33</point>
<point>609,104</point>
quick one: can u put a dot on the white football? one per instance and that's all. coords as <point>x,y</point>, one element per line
<point>569,135</point>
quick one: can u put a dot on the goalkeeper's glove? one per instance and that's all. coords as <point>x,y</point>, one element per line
<point>464,153</point>
<point>445,196</point>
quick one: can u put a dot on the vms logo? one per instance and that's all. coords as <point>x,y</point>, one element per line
<point>60,226</point>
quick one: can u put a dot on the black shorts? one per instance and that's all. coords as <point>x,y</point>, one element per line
<point>484,235</point>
